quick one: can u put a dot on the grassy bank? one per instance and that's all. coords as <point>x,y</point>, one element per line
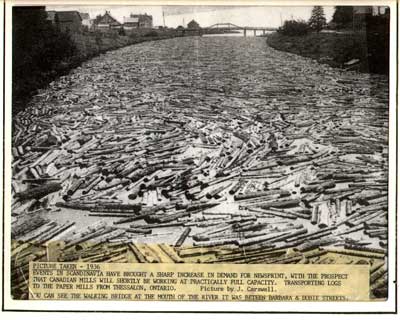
<point>335,49</point>
<point>91,44</point>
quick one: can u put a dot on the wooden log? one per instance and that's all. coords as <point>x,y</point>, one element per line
<point>75,187</point>
<point>179,242</point>
<point>170,252</point>
<point>315,214</point>
<point>39,192</point>
<point>324,215</point>
<point>261,194</point>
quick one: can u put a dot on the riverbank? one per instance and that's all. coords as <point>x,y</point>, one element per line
<point>86,46</point>
<point>366,52</point>
<point>209,146</point>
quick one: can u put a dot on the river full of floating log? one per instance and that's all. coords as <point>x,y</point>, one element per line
<point>205,142</point>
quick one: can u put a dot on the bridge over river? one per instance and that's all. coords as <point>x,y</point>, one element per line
<point>229,28</point>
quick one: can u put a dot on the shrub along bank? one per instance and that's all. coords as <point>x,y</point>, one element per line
<point>370,47</point>
<point>91,44</point>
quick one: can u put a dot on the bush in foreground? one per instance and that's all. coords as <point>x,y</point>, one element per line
<point>152,33</point>
<point>294,28</point>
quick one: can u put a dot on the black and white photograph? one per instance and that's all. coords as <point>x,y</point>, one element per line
<point>201,134</point>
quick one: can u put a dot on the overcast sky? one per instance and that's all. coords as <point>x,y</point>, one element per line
<point>260,16</point>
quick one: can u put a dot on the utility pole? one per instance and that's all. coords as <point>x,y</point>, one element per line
<point>163,17</point>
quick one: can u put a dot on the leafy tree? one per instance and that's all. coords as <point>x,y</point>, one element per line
<point>317,20</point>
<point>294,28</point>
<point>121,32</point>
<point>97,19</point>
<point>343,16</point>
<point>38,48</point>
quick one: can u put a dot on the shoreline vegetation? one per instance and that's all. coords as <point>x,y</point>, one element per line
<point>357,38</point>
<point>367,53</point>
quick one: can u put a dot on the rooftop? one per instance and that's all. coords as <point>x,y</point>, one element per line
<point>64,16</point>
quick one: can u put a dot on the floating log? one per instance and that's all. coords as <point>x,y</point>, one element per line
<point>39,192</point>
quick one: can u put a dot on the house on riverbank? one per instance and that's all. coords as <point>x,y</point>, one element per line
<point>86,21</point>
<point>66,21</point>
<point>69,21</point>
<point>136,21</point>
<point>193,25</point>
<point>106,22</point>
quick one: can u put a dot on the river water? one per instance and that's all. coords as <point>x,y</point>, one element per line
<point>127,100</point>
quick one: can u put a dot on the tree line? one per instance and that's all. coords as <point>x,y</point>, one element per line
<point>343,18</point>
<point>38,49</point>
